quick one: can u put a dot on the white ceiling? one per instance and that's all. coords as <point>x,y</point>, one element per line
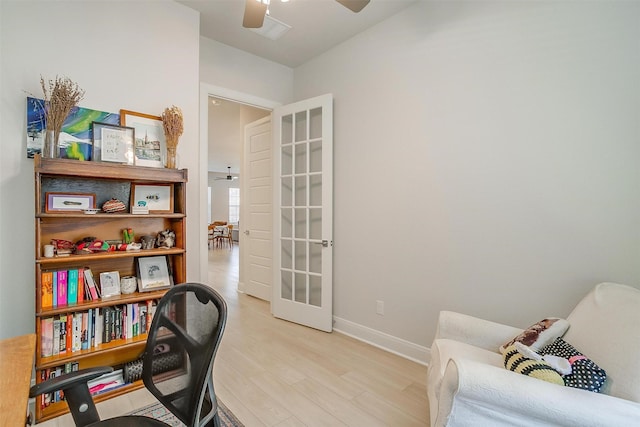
<point>317,25</point>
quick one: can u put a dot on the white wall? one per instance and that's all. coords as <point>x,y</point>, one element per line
<point>230,68</point>
<point>140,56</point>
<point>486,161</point>
<point>220,196</point>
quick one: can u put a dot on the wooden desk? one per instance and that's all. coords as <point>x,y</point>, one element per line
<point>16,365</point>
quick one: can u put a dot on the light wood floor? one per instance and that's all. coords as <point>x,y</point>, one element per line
<point>271,372</point>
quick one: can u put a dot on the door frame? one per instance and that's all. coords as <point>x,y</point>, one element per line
<point>207,90</point>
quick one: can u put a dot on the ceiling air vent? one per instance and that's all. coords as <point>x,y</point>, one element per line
<point>272,28</point>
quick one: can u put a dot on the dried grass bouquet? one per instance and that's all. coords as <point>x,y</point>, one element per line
<point>172,122</point>
<point>60,96</point>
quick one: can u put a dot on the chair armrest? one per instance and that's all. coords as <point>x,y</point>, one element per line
<point>76,393</point>
<point>474,331</point>
<point>477,391</point>
<point>68,380</point>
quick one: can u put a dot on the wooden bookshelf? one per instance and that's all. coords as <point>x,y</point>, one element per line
<point>106,181</point>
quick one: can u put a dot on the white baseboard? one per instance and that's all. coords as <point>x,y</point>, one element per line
<point>403,348</point>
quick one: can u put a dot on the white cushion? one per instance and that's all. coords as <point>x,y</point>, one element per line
<point>604,326</point>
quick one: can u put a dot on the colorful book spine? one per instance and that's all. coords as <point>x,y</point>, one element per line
<point>76,343</point>
<point>92,327</point>
<point>97,336</point>
<point>84,335</point>
<point>54,288</point>
<point>63,334</point>
<point>80,285</point>
<point>69,333</point>
<point>72,286</point>
<point>56,337</point>
<point>46,289</point>
<point>88,276</point>
<point>46,337</point>
<point>62,287</point>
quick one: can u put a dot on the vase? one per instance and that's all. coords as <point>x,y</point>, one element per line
<point>50,149</point>
<point>171,157</point>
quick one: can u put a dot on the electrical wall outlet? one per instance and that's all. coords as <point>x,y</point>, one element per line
<point>380,307</point>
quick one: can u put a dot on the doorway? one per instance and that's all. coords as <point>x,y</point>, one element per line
<point>225,120</point>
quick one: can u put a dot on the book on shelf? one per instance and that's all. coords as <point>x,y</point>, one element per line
<point>91,284</point>
<point>80,273</point>
<point>46,336</point>
<point>54,287</point>
<point>62,287</point>
<point>99,322</point>
<point>84,335</point>
<point>77,331</point>
<point>67,287</point>
<point>72,286</point>
<point>47,399</point>
<point>106,382</point>
<point>84,330</point>
<point>56,337</point>
<point>69,333</point>
<point>46,290</point>
<point>63,334</point>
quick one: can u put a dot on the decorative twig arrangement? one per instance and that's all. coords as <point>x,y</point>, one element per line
<point>172,123</point>
<point>60,96</point>
<point>173,127</point>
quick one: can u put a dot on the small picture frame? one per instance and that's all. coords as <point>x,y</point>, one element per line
<point>153,273</point>
<point>158,198</point>
<point>69,202</point>
<point>149,143</point>
<point>109,284</point>
<point>113,143</point>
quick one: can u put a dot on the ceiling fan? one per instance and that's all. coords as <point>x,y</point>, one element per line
<point>229,177</point>
<point>255,10</point>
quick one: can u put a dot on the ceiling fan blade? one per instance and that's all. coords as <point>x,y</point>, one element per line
<point>354,5</point>
<point>254,12</point>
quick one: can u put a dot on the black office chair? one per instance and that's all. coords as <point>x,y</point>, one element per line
<point>190,318</point>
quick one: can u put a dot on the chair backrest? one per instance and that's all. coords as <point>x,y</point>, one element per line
<point>178,361</point>
<point>604,327</point>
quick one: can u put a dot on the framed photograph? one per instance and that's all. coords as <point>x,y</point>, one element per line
<point>113,143</point>
<point>153,273</point>
<point>109,284</point>
<point>69,202</point>
<point>149,144</point>
<point>158,197</point>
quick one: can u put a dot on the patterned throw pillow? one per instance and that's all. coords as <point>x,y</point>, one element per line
<point>585,373</point>
<point>517,362</point>
<point>540,334</point>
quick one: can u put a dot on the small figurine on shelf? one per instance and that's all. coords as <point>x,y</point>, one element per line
<point>128,235</point>
<point>91,245</point>
<point>113,205</point>
<point>63,247</point>
<point>166,239</point>
<point>148,241</point>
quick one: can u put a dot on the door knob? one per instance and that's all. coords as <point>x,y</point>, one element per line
<point>246,232</point>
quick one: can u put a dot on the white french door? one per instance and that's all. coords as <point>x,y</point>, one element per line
<point>303,212</point>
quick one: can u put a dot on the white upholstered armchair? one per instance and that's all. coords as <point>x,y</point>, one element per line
<point>469,386</point>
